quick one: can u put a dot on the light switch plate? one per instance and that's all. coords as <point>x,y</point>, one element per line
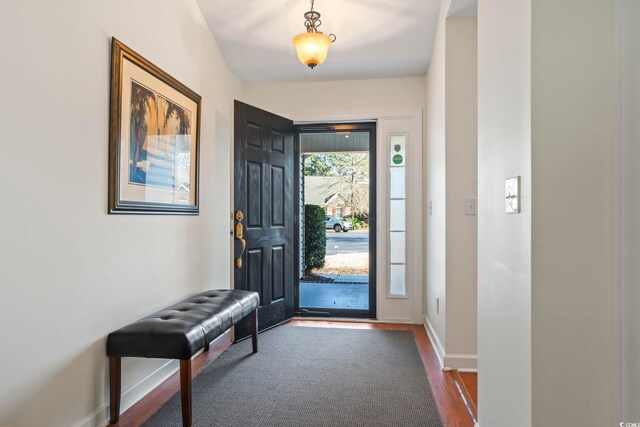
<point>470,206</point>
<point>512,195</point>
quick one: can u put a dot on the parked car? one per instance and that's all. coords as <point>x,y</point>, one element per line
<point>337,224</point>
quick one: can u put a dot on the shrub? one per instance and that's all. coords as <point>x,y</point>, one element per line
<point>357,223</point>
<point>315,237</point>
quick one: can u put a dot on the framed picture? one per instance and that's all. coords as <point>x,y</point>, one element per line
<point>154,138</point>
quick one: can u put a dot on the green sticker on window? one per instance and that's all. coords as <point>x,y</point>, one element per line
<point>397,159</point>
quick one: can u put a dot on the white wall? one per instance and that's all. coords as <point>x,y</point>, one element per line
<point>573,131</point>
<point>451,176</point>
<point>546,276</point>
<point>300,101</point>
<point>461,182</point>
<point>504,241</point>
<point>397,105</point>
<point>69,272</point>
<point>435,188</point>
<point>630,319</point>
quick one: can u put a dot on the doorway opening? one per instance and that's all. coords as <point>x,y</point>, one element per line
<point>337,220</point>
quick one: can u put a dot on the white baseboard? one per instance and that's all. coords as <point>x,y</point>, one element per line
<point>461,362</point>
<point>435,341</point>
<point>131,396</point>
<point>98,418</point>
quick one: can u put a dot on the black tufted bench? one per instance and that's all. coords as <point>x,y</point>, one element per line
<point>179,332</point>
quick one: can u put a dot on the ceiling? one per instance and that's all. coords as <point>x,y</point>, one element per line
<point>375,38</point>
<point>334,142</point>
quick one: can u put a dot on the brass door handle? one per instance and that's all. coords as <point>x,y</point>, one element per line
<point>239,231</point>
<point>240,236</point>
<point>239,259</point>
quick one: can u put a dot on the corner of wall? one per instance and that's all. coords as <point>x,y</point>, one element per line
<point>435,341</point>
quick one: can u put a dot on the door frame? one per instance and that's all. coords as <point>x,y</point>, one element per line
<point>360,126</point>
<point>388,310</point>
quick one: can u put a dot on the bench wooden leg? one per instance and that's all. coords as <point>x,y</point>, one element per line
<point>254,330</point>
<point>115,385</point>
<point>185,391</point>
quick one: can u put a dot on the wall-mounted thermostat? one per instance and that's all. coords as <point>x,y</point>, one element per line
<point>512,195</point>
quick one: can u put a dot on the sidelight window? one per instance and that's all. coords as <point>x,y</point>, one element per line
<point>397,216</point>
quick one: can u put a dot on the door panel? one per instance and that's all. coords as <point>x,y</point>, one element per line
<point>254,190</point>
<point>277,255</point>
<point>263,191</point>
<point>277,196</point>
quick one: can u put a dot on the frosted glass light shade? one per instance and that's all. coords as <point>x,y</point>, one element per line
<point>312,48</point>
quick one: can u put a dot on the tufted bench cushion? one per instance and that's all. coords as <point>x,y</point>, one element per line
<point>180,331</point>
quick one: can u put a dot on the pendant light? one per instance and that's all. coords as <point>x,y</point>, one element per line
<point>313,45</point>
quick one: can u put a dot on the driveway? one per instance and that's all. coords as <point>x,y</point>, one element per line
<point>351,242</point>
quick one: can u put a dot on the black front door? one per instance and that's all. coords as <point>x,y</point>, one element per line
<point>264,205</point>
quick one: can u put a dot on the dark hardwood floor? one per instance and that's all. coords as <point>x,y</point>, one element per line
<point>467,383</point>
<point>470,380</point>
<point>445,385</point>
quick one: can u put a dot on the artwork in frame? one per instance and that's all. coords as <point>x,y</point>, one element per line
<point>154,138</point>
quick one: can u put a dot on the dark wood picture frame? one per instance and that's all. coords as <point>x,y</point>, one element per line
<point>120,53</point>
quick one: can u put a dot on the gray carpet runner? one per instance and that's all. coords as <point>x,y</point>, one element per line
<point>307,376</point>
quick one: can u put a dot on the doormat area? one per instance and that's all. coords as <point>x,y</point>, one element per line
<point>305,376</point>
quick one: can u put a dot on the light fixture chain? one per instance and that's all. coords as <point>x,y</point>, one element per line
<point>312,20</point>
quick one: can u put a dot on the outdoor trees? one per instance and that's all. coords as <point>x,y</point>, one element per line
<point>352,175</point>
<point>315,165</point>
